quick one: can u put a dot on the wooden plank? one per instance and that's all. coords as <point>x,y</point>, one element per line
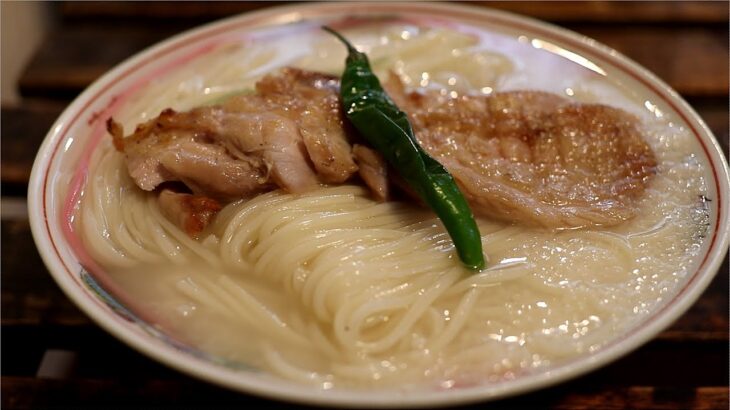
<point>22,130</point>
<point>72,57</point>
<point>29,294</point>
<point>201,11</point>
<point>672,398</point>
<point>560,11</point>
<point>98,355</point>
<point>26,392</point>
<point>693,60</point>
<point>607,11</point>
<point>140,392</point>
<point>619,397</point>
<point>660,362</point>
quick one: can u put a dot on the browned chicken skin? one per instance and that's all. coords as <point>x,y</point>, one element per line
<point>535,157</point>
<point>529,157</point>
<point>192,213</point>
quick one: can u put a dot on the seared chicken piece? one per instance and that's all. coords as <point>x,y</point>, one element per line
<point>272,138</point>
<point>535,157</point>
<point>180,147</point>
<point>290,134</point>
<point>313,100</point>
<point>191,213</point>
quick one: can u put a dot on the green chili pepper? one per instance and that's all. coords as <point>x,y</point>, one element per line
<point>386,128</point>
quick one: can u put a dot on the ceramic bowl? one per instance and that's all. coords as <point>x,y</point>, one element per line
<point>58,175</point>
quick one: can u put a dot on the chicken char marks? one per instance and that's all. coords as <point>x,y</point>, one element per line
<point>535,157</point>
<point>528,157</point>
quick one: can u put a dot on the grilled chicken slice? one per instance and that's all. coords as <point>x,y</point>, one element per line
<point>312,99</point>
<point>290,134</point>
<point>271,138</point>
<point>180,147</point>
<point>191,213</point>
<point>535,157</point>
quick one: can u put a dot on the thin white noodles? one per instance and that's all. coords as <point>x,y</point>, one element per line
<point>332,288</point>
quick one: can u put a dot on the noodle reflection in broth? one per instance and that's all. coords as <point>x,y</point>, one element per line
<point>335,289</point>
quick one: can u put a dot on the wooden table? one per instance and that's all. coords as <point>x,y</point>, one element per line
<point>686,366</point>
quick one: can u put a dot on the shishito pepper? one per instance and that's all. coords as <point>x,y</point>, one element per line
<point>376,117</point>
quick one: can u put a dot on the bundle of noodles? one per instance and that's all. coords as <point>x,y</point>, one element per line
<point>328,285</point>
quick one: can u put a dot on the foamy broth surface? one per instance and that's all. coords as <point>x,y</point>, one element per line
<point>570,292</point>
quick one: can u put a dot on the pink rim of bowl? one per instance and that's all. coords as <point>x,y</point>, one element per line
<point>49,187</point>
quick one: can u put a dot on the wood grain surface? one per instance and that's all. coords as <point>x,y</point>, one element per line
<point>684,367</point>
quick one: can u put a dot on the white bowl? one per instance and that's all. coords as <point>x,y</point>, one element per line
<point>66,147</point>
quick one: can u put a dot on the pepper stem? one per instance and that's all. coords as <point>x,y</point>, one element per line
<point>350,47</point>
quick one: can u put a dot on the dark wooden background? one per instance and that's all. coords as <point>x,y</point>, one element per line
<point>686,366</point>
